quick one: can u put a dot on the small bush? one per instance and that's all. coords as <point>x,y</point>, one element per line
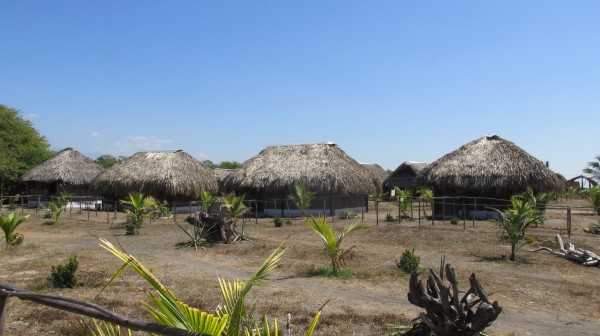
<point>389,217</point>
<point>409,262</point>
<point>347,214</point>
<point>278,221</point>
<point>288,221</point>
<point>63,276</point>
<point>454,220</point>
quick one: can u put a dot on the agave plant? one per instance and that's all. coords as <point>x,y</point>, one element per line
<point>8,226</point>
<point>301,197</point>
<point>168,311</point>
<point>333,240</point>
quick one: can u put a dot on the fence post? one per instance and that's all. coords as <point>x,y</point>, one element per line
<point>569,221</point>
<point>432,211</point>
<point>474,211</point>
<point>464,215</point>
<point>419,207</point>
<point>362,209</point>
<point>3,301</point>
<point>333,209</point>
<point>174,212</point>
<point>444,209</point>
<point>399,211</point>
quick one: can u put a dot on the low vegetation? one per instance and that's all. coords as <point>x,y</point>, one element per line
<point>8,225</point>
<point>141,206</point>
<point>409,261</point>
<point>63,275</point>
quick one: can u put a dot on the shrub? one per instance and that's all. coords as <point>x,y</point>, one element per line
<point>278,221</point>
<point>409,262</point>
<point>389,217</point>
<point>454,220</point>
<point>347,214</point>
<point>63,276</point>
<point>8,226</point>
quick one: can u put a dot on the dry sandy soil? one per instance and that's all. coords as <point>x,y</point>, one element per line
<point>541,294</point>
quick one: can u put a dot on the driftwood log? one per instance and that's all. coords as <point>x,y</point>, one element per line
<point>216,228</point>
<point>581,256</point>
<point>446,313</point>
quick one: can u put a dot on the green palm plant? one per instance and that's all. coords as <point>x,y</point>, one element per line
<point>168,311</point>
<point>426,195</point>
<point>404,200</point>
<point>515,221</point>
<point>301,197</point>
<point>141,206</point>
<point>593,169</point>
<point>236,208</point>
<point>8,226</point>
<point>593,194</point>
<point>376,197</point>
<point>333,240</point>
<point>206,198</point>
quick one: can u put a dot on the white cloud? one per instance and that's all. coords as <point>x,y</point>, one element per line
<point>95,134</point>
<point>31,117</point>
<point>137,143</point>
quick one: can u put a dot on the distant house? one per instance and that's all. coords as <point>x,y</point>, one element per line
<point>376,170</point>
<point>173,176</point>
<point>68,171</point>
<point>338,180</point>
<point>490,168</point>
<point>581,182</point>
<point>404,176</point>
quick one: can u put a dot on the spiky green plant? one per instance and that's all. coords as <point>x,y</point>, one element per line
<point>168,311</point>
<point>236,208</point>
<point>515,221</point>
<point>593,194</point>
<point>333,240</point>
<point>8,225</point>
<point>141,206</point>
<point>301,197</point>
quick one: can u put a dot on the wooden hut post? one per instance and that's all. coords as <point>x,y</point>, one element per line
<point>174,212</point>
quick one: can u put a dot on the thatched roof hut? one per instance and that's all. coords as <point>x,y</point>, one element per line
<point>489,167</point>
<point>404,176</point>
<point>379,173</point>
<point>68,171</point>
<point>166,175</point>
<point>323,167</point>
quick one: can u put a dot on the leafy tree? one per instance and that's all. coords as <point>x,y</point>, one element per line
<point>333,240</point>
<point>141,206</point>
<point>107,160</point>
<point>593,169</point>
<point>21,147</point>
<point>593,194</point>
<point>515,221</point>
<point>301,197</point>
<point>8,226</point>
<point>228,165</point>
<point>209,164</point>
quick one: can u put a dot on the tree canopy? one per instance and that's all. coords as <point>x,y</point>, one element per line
<point>222,165</point>
<point>21,147</point>
<point>108,160</point>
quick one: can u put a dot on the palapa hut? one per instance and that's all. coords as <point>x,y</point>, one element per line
<point>174,176</point>
<point>488,167</point>
<point>338,180</point>
<point>68,171</point>
<point>404,176</point>
<point>379,173</point>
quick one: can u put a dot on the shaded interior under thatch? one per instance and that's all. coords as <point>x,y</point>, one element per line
<point>167,175</point>
<point>404,176</point>
<point>379,173</point>
<point>68,171</point>
<point>324,167</point>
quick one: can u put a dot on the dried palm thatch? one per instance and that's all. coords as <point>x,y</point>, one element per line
<point>488,166</point>
<point>404,176</point>
<point>171,175</point>
<point>323,167</point>
<point>379,173</point>
<point>66,167</point>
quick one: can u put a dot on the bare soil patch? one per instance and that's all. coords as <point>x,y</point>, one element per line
<point>541,294</point>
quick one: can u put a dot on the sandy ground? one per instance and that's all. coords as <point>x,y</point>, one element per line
<point>541,294</point>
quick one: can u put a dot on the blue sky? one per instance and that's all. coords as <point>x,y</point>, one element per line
<point>388,81</point>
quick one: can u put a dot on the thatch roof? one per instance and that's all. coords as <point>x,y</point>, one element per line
<point>404,176</point>
<point>488,166</point>
<point>324,167</point>
<point>168,174</point>
<point>67,166</point>
<point>222,173</point>
<point>376,170</point>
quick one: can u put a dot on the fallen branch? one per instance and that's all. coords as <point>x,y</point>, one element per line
<point>581,256</point>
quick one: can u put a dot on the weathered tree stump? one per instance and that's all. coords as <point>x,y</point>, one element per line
<point>581,256</point>
<point>211,225</point>
<point>446,313</point>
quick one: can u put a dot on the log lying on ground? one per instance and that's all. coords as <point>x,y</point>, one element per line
<point>585,257</point>
<point>446,313</point>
